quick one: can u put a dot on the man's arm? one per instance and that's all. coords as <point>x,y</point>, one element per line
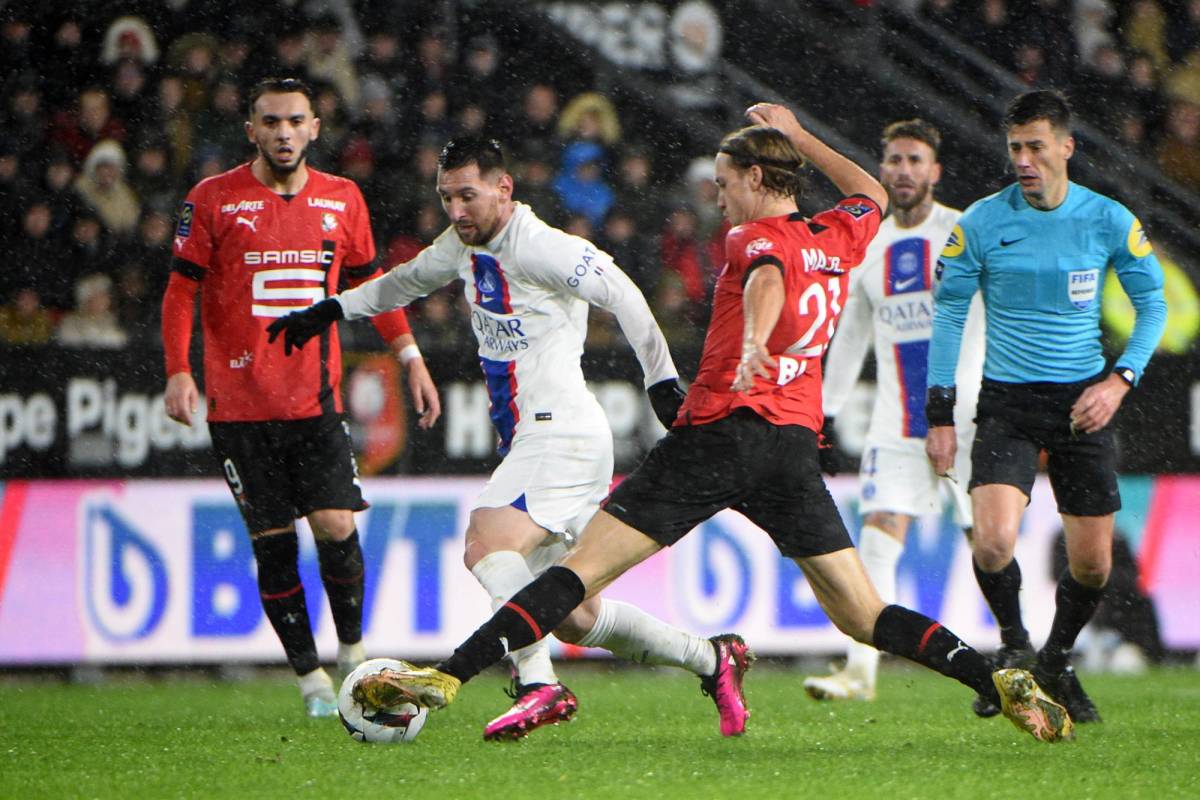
<point>847,176</point>
<point>762,303</point>
<point>182,396</point>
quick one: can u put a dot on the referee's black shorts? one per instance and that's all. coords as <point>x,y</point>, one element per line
<point>1016,421</point>
<point>768,472</point>
<point>281,470</point>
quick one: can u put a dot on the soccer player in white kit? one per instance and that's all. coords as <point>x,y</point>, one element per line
<point>890,306</point>
<point>529,287</point>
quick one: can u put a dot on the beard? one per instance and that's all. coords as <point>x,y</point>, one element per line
<point>284,170</point>
<point>918,195</point>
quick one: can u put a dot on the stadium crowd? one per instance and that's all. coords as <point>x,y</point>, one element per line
<point>110,110</point>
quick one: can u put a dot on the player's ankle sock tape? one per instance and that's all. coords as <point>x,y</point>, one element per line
<point>1074,606</point>
<point>926,641</point>
<point>283,598</point>
<point>528,616</point>
<point>1002,590</point>
<point>342,574</point>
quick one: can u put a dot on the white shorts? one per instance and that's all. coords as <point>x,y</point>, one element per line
<point>902,481</point>
<point>561,472</point>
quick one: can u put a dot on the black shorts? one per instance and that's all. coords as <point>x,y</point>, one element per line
<point>768,472</point>
<point>1016,421</point>
<point>281,470</point>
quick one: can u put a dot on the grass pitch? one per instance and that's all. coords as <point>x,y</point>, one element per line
<point>639,733</point>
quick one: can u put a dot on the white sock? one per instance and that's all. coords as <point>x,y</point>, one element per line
<point>502,574</point>
<point>350,656</point>
<point>628,632</point>
<point>880,553</point>
<point>314,682</point>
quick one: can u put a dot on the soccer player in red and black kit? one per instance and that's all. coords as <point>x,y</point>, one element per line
<point>746,438</point>
<point>262,240</point>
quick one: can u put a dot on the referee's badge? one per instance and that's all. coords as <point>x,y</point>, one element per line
<point>955,244</point>
<point>1082,285</point>
<point>1137,242</point>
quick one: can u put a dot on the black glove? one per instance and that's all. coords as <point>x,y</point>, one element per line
<point>665,398</point>
<point>300,326</point>
<point>829,455</point>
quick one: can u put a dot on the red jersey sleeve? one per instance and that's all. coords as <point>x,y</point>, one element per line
<point>847,228</point>
<point>194,229</point>
<point>750,246</point>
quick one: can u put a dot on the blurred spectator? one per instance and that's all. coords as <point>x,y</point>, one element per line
<point>1179,152</point>
<point>335,128</point>
<point>580,182</point>
<point>1048,25</point>
<point>102,187</point>
<point>631,249</point>
<point>1144,30</point>
<point>77,131</point>
<point>137,307</point>
<point>66,62</point>
<point>176,124</point>
<point>403,246</point>
<point>471,120</point>
<point>579,225</point>
<point>635,192</point>
<point>288,59</point>
<point>433,117</point>
<point>88,251</point>
<point>129,39</point>
<point>414,185</point>
<point>1091,29</point>
<point>219,128</point>
<point>93,324</point>
<point>481,81</point>
<point>130,89</point>
<point>1029,62</point>
<point>329,60</point>
<point>590,117</point>
<point>14,187</point>
<point>1183,32</point>
<point>233,56</point>
<point>696,260</point>
<point>38,259</point>
<point>989,29</point>
<point>16,39</point>
<point>1143,92</point>
<point>58,186</point>
<point>384,59</point>
<point>431,71</point>
<point>681,320</point>
<point>381,126</point>
<point>947,14</point>
<point>534,133</point>
<point>24,120</point>
<point>193,57</point>
<point>151,251</point>
<point>24,321</point>
<point>700,191</point>
<point>535,188</point>
<point>1100,86</point>
<point>150,176</point>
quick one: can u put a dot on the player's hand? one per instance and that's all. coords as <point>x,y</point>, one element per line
<point>181,398</point>
<point>424,393</point>
<point>776,116</point>
<point>829,455</point>
<point>665,398</point>
<point>300,326</point>
<point>756,362</point>
<point>941,445</point>
<point>1099,402</point>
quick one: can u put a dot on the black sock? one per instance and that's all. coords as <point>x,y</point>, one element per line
<point>342,574</point>
<point>283,598</point>
<point>925,641</point>
<point>527,617</point>
<point>1074,606</point>
<point>1002,590</point>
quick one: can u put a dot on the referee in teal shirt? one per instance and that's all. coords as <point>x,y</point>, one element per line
<point>1039,251</point>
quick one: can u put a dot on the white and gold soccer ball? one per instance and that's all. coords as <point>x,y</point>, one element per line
<point>396,725</point>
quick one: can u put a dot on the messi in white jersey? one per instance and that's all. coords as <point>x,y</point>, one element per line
<point>529,286</point>
<point>890,308</point>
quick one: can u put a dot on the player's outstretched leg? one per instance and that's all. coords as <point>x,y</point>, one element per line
<point>916,637</point>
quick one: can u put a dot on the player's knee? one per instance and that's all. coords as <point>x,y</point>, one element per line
<point>991,554</point>
<point>576,626</point>
<point>1091,573</point>
<point>331,524</point>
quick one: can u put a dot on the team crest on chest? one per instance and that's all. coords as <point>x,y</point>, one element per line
<point>328,222</point>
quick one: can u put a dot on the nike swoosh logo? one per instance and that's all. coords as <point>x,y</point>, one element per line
<point>904,284</point>
<point>1007,242</point>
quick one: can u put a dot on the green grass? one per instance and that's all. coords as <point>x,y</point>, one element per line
<point>638,734</point>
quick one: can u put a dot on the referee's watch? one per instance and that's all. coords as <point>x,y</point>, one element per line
<point>1126,374</point>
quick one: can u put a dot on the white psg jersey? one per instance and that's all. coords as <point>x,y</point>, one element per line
<point>529,290</point>
<point>890,306</point>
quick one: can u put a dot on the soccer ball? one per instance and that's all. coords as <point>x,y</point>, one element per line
<point>395,725</point>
